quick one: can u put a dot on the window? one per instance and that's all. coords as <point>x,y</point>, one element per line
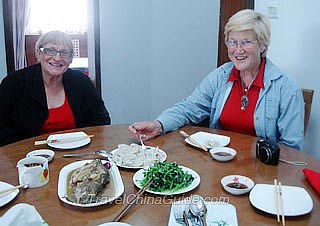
<point>69,16</point>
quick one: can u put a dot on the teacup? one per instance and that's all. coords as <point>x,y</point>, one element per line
<point>33,171</point>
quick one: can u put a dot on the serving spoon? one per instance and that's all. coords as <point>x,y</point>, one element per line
<point>198,208</point>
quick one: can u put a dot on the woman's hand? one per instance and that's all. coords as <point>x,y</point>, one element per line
<point>147,129</point>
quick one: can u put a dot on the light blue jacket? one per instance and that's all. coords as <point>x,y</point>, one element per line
<point>279,112</point>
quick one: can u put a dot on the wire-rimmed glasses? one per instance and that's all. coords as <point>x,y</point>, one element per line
<point>52,52</point>
<point>245,43</point>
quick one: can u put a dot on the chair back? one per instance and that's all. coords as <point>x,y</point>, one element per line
<point>307,96</point>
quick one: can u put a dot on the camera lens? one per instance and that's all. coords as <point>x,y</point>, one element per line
<point>264,154</point>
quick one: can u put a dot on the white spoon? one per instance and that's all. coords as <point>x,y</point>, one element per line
<point>198,208</point>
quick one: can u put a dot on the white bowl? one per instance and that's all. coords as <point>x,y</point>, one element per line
<point>48,154</point>
<point>239,180</point>
<point>223,154</point>
<point>114,224</point>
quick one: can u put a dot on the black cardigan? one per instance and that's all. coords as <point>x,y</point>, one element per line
<point>23,103</point>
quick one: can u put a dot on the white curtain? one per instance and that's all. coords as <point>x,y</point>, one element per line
<point>20,17</point>
<point>69,16</point>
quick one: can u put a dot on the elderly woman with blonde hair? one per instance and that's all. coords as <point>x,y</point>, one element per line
<point>48,96</point>
<point>248,95</point>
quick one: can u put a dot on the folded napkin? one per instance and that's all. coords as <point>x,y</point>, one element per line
<point>314,178</point>
<point>22,214</point>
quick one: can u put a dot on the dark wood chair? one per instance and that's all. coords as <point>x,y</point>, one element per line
<point>307,96</point>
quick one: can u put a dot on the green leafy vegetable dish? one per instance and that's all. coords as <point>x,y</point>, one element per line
<point>166,176</point>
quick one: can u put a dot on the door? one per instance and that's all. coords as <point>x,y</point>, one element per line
<point>227,9</point>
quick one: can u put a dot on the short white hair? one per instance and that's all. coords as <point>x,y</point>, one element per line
<point>248,19</point>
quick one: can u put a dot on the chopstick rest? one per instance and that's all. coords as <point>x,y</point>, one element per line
<point>193,140</point>
<point>62,140</point>
<point>130,204</point>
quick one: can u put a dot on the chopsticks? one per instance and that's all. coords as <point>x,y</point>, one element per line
<point>62,140</point>
<point>13,188</point>
<point>130,204</point>
<point>279,198</point>
<point>281,204</point>
<point>193,140</point>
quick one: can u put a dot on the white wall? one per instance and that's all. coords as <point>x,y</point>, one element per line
<point>154,53</point>
<point>3,64</point>
<point>295,37</point>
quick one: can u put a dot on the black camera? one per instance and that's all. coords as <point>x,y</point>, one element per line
<point>267,152</point>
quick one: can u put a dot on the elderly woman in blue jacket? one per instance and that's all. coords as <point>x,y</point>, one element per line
<point>247,95</point>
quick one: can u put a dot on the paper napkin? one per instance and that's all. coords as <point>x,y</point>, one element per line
<point>22,214</point>
<point>314,178</point>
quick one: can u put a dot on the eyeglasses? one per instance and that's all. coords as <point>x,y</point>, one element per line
<point>231,43</point>
<point>52,52</point>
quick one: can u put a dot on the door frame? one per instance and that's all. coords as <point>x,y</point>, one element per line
<point>227,9</point>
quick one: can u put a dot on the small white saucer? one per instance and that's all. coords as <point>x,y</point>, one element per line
<point>48,154</point>
<point>237,179</point>
<point>223,154</point>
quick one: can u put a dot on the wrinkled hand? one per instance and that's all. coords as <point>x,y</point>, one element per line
<point>147,129</point>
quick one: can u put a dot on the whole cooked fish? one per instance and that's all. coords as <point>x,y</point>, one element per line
<point>88,181</point>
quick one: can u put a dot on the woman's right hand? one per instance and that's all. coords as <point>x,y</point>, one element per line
<point>147,129</point>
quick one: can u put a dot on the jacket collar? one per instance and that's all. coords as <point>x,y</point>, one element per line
<point>271,72</point>
<point>35,84</point>
<point>74,91</point>
<point>73,87</point>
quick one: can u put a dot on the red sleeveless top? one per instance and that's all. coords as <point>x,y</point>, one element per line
<point>60,118</point>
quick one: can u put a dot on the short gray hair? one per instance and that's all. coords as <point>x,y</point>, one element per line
<point>248,19</point>
<point>54,37</point>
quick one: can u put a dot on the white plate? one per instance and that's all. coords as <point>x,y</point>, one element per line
<point>296,200</point>
<point>8,196</point>
<point>204,138</point>
<point>138,176</point>
<point>62,183</point>
<point>69,145</point>
<point>217,212</point>
<point>115,224</point>
<point>164,157</point>
<point>41,152</point>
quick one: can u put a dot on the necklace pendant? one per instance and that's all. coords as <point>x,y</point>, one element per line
<point>244,102</point>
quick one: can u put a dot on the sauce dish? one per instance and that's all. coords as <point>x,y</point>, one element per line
<point>237,184</point>
<point>223,154</point>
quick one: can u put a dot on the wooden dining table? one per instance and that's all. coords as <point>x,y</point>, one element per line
<point>56,212</point>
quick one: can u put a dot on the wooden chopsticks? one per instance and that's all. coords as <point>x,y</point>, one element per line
<point>13,188</point>
<point>135,197</point>
<point>62,140</point>
<point>279,199</point>
<point>193,140</point>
